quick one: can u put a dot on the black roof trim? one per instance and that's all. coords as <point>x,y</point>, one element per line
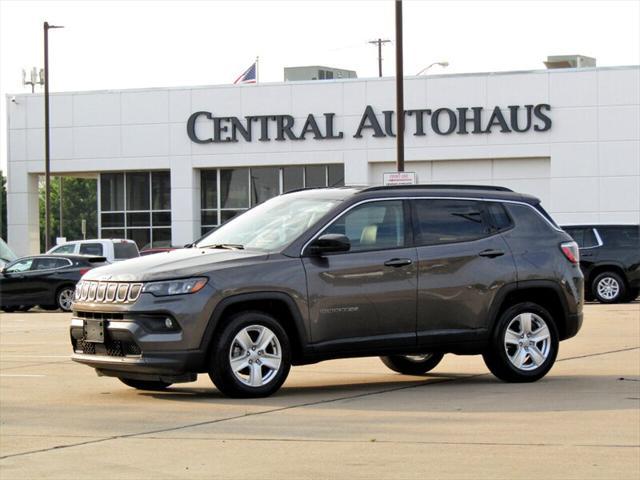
<point>490,188</point>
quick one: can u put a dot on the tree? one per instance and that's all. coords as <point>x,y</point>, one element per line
<point>79,201</point>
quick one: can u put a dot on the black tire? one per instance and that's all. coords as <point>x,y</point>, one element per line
<point>614,279</point>
<point>497,356</point>
<point>632,295</point>
<point>24,308</point>
<point>62,299</point>
<point>153,385</point>
<point>225,345</point>
<point>9,309</point>
<point>407,365</point>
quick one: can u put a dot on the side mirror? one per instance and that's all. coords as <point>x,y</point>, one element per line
<point>329,243</point>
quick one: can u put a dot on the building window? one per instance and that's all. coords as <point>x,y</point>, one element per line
<point>136,205</point>
<point>227,192</point>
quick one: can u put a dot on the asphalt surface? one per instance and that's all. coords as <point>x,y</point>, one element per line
<point>339,419</point>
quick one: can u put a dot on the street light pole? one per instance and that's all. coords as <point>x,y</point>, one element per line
<point>399,91</point>
<point>47,163</point>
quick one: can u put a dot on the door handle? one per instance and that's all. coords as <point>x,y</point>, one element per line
<point>398,262</point>
<point>490,253</point>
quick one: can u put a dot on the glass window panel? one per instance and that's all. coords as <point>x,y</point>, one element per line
<point>336,175</point>
<point>68,248</point>
<point>161,219</point>
<point>499,216</point>
<point>315,176</point>
<point>138,191</point>
<point>292,178</point>
<point>374,226</point>
<point>206,230</point>
<point>448,221</point>
<point>209,217</point>
<point>161,190</point>
<point>161,237</point>
<point>208,189</point>
<point>234,188</point>
<point>142,237</point>
<point>138,219</point>
<point>20,266</point>
<point>91,249</point>
<point>265,184</point>
<point>111,191</point>
<point>112,233</point>
<point>226,215</point>
<point>113,220</point>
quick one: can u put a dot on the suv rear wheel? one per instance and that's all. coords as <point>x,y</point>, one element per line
<point>524,345</point>
<point>251,356</point>
<point>609,287</point>
<point>413,364</point>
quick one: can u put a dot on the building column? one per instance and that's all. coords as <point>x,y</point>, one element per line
<point>185,202</point>
<point>23,219</point>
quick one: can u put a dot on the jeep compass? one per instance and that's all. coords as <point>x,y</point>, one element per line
<point>405,273</point>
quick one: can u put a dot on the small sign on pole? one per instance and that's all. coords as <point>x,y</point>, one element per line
<point>61,240</point>
<point>399,178</point>
<point>83,227</point>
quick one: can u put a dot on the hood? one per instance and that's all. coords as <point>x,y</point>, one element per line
<point>180,263</point>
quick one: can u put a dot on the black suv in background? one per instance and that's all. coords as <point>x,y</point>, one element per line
<point>610,261</point>
<point>405,273</point>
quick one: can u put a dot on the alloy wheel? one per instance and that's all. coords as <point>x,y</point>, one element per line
<point>255,355</point>
<point>418,358</point>
<point>65,299</point>
<point>608,288</point>
<point>527,341</point>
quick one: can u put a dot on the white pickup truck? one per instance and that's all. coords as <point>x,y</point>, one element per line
<point>114,250</point>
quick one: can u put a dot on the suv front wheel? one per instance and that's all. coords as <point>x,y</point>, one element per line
<point>524,344</point>
<point>251,356</point>
<point>413,364</point>
<point>609,287</point>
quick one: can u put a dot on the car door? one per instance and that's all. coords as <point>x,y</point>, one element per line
<point>367,296</point>
<point>462,263</point>
<point>15,285</point>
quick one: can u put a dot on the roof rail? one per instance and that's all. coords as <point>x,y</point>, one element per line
<point>491,188</point>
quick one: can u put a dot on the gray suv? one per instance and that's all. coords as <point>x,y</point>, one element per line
<point>405,273</point>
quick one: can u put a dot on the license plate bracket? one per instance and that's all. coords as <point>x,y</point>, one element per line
<point>94,331</point>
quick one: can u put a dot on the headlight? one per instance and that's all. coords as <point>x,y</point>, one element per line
<point>175,287</point>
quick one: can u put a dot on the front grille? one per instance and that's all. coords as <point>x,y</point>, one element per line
<point>107,292</point>
<point>111,348</point>
<point>99,315</point>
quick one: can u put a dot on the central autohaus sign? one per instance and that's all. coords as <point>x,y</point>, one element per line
<point>419,122</point>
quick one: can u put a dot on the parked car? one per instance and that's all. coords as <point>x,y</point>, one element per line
<point>45,280</point>
<point>408,274</point>
<point>114,250</point>
<point>610,260</point>
<point>6,254</point>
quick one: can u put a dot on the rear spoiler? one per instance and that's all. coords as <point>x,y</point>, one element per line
<point>97,259</point>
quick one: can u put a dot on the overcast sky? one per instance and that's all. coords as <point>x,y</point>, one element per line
<point>127,44</point>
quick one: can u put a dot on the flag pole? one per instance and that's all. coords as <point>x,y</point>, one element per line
<point>257,70</point>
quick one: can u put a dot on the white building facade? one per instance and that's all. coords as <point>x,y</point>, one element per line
<point>172,163</point>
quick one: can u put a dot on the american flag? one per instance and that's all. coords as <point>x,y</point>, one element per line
<point>248,76</point>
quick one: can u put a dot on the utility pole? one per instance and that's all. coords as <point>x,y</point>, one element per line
<point>399,91</point>
<point>47,160</point>
<point>379,42</point>
<point>60,196</point>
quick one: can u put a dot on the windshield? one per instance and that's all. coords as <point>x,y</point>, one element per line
<point>271,225</point>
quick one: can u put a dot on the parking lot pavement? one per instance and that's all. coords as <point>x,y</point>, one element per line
<point>339,419</point>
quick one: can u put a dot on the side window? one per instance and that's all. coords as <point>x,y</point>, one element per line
<point>372,226</point>
<point>124,250</point>
<point>577,234</point>
<point>44,263</point>
<point>449,221</point>
<point>20,266</point>
<point>91,249</point>
<point>589,239</point>
<point>498,216</point>
<point>66,248</point>
<point>621,237</point>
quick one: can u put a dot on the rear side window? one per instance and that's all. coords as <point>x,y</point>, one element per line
<point>449,221</point>
<point>623,237</point>
<point>123,250</point>
<point>91,249</point>
<point>545,214</point>
<point>49,263</point>
<point>498,216</point>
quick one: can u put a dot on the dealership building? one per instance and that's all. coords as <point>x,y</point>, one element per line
<point>172,163</point>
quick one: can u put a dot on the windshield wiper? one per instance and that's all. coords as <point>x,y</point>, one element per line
<point>228,246</point>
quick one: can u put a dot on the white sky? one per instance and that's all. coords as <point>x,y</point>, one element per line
<point>127,44</point>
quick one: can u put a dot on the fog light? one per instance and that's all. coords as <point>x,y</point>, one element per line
<point>168,323</point>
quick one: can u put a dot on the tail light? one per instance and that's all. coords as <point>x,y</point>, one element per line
<point>570,250</point>
<point>84,270</point>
